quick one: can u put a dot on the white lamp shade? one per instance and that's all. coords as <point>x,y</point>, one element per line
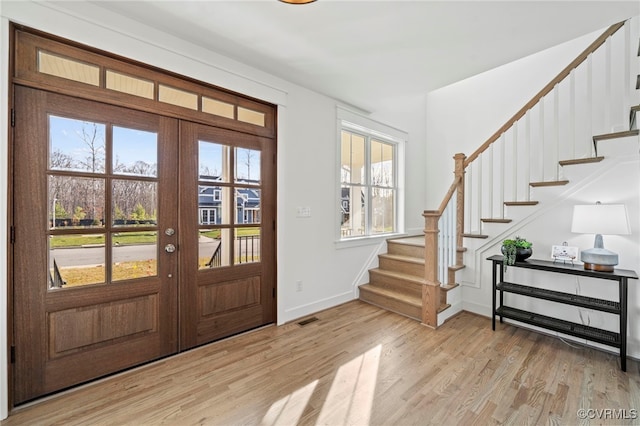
<point>604,219</point>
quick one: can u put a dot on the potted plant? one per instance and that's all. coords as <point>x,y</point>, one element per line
<point>516,250</point>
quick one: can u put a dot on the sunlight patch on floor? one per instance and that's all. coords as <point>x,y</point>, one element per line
<point>289,409</point>
<point>350,398</point>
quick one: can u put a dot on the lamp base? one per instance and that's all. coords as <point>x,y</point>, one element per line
<point>599,259</point>
<point>598,268</point>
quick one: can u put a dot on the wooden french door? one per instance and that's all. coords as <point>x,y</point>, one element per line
<point>136,236</point>
<point>95,195</point>
<point>227,224</point>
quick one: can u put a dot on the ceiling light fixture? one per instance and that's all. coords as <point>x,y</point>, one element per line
<point>297,1</point>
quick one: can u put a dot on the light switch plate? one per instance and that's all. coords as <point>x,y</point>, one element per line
<point>303,212</point>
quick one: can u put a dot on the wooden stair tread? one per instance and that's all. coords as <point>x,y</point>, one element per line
<point>521,203</point>
<point>581,161</point>
<point>443,307</point>
<point>414,303</point>
<point>623,134</point>
<point>475,236</point>
<point>497,220</point>
<point>456,267</point>
<point>449,287</point>
<point>399,275</point>
<point>402,297</point>
<point>408,259</point>
<point>549,183</point>
<point>417,240</point>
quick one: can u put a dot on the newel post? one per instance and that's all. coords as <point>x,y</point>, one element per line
<point>431,289</point>
<point>459,176</point>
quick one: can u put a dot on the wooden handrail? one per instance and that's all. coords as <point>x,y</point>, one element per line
<point>448,196</point>
<point>548,88</point>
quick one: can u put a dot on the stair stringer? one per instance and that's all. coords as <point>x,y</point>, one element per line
<point>454,299</point>
<point>371,263</point>
<point>475,257</point>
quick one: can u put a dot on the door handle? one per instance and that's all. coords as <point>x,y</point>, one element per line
<point>169,248</point>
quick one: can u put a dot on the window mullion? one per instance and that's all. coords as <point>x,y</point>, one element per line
<point>368,186</point>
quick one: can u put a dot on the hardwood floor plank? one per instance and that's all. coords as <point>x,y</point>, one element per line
<point>358,365</point>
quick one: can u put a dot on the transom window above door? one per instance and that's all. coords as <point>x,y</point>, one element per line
<point>127,83</point>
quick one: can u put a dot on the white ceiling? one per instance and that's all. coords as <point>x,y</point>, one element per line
<point>366,53</point>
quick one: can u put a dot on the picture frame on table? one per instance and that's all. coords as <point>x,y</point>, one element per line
<point>564,253</point>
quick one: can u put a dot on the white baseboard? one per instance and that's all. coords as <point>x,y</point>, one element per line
<point>477,308</point>
<point>319,305</point>
<point>454,309</point>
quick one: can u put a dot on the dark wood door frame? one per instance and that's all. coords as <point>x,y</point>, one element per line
<point>26,76</point>
<point>173,301</point>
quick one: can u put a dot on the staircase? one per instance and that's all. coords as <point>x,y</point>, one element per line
<point>397,283</point>
<point>416,281</point>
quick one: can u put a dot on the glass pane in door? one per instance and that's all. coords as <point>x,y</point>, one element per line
<point>213,205</point>
<point>75,202</point>
<point>76,145</point>
<point>76,260</point>
<point>247,205</point>
<point>135,152</point>
<point>214,247</point>
<point>135,202</point>
<point>247,166</point>
<point>134,255</point>
<point>247,245</point>
<point>213,162</point>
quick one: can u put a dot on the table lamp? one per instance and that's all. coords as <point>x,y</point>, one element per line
<point>599,219</point>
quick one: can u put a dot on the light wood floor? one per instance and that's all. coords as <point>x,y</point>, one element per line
<point>360,365</point>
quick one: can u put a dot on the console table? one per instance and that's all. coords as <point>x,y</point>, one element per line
<point>609,338</point>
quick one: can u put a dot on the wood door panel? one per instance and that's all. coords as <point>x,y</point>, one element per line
<point>74,369</point>
<point>229,323</point>
<point>229,295</point>
<point>81,328</point>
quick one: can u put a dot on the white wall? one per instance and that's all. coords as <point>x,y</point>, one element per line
<point>307,154</point>
<point>408,114</point>
<point>462,116</point>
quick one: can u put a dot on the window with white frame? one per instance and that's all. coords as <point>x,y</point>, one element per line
<point>369,190</point>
